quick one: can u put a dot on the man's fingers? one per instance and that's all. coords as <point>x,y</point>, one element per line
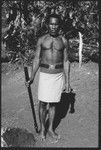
<point>27,84</point>
<point>67,89</point>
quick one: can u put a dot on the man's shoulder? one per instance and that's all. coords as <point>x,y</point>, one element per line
<point>43,37</point>
<point>62,36</point>
<point>63,39</point>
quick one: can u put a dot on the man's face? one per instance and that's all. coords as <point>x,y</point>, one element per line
<point>53,26</point>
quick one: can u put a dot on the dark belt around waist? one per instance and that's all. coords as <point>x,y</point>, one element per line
<point>49,66</point>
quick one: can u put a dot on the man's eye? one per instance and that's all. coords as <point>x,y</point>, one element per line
<point>54,24</point>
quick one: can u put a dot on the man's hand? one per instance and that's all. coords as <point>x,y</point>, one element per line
<point>67,88</point>
<point>28,83</point>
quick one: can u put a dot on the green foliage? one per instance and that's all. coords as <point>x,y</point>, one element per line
<point>25,23</point>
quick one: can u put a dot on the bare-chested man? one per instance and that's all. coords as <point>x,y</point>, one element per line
<point>52,59</point>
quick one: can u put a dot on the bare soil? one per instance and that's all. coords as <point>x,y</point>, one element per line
<point>79,129</point>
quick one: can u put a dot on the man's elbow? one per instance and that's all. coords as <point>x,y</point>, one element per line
<point>67,62</point>
<point>67,65</point>
<point>36,61</point>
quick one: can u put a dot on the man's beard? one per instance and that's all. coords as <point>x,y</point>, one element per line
<point>55,33</point>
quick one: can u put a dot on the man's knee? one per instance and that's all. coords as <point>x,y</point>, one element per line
<point>52,105</point>
<point>42,104</point>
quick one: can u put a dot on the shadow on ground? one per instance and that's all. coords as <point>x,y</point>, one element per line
<point>66,104</point>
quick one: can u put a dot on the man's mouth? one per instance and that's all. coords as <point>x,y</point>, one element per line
<point>53,30</point>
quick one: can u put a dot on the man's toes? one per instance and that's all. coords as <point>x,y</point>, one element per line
<point>53,135</point>
<point>53,140</point>
<point>42,137</point>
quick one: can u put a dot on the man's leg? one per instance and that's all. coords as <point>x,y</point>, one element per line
<point>51,121</point>
<point>42,118</point>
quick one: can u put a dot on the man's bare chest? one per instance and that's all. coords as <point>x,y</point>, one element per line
<point>54,44</point>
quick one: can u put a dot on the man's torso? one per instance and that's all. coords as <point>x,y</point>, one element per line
<point>52,52</point>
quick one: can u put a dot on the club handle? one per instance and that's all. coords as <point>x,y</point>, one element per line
<point>26,73</point>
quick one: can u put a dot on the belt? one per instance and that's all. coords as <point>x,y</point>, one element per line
<point>49,66</point>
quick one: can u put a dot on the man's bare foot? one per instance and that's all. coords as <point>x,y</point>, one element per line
<point>42,136</point>
<point>53,135</point>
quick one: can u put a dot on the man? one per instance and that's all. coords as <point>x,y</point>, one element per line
<point>52,59</point>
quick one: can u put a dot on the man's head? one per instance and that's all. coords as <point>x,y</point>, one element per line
<point>54,22</point>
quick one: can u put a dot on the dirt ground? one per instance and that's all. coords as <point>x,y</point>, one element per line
<point>79,129</point>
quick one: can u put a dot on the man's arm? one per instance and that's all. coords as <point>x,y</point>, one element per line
<point>67,68</point>
<point>36,61</point>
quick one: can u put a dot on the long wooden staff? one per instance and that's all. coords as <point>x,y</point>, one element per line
<point>27,78</point>
<point>31,98</point>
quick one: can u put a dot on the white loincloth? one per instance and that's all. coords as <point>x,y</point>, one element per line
<point>50,87</point>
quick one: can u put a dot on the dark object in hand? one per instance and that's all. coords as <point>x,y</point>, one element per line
<point>70,97</point>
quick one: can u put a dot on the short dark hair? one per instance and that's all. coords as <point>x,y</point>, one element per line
<point>53,16</point>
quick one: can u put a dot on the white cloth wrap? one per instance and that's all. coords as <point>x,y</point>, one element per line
<point>50,87</point>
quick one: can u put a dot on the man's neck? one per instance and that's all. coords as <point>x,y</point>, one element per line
<point>54,36</point>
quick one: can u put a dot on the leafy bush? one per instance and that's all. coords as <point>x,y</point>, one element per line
<point>25,22</point>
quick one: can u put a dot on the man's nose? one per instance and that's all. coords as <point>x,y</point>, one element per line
<point>54,26</point>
